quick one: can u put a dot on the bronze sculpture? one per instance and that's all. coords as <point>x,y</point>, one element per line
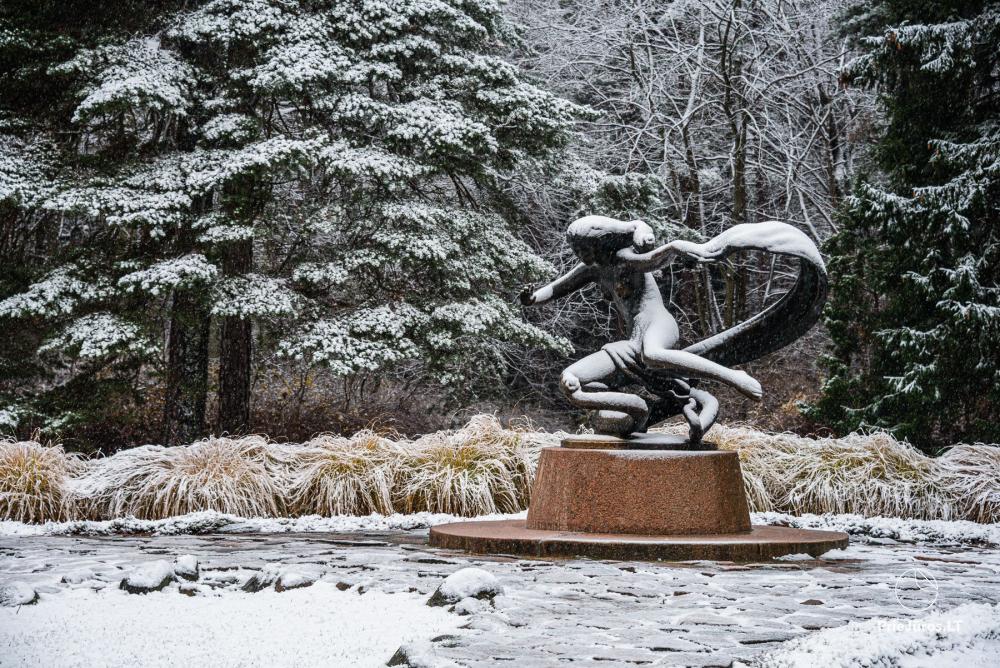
<point>620,257</point>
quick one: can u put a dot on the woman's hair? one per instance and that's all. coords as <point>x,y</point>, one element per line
<point>598,238</point>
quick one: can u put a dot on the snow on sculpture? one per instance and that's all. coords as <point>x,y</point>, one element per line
<point>620,256</point>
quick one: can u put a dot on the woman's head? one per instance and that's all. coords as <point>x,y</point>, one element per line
<point>597,239</point>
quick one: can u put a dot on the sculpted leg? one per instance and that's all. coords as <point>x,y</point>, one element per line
<point>700,410</point>
<point>655,355</point>
<point>585,383</point>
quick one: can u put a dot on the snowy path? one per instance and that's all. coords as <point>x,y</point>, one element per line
<point>373,585</point>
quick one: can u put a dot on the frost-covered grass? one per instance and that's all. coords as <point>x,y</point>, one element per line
<point>482,468</point>
<point>331,475</point>
<point>34,482</point>
<point>239,476</point>
<point>873,475</point>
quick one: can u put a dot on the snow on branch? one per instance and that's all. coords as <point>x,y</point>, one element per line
<point>58,293</point>
<point>182,272</point>
<point>253,295</point>
<point>139,75</point>
<point>98,336</point>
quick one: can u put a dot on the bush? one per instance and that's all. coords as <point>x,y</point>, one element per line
<point>868,474</point>
<point>970,474</point>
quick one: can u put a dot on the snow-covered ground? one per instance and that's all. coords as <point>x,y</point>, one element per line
<point>210,521</point>
<point>313,626</point>
<point>351,591</point>
<point>965,635</point>
<point>938,532</point>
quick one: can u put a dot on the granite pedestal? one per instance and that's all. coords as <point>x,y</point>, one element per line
<point>648,498</point>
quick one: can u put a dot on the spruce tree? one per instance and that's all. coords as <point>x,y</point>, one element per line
<point>915,306</point>
<point>319,177</point>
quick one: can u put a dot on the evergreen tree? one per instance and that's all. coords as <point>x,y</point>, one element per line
<point>318,177</point>
<point>915,307</point>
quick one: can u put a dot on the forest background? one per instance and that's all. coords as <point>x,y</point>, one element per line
<point>290,217</point>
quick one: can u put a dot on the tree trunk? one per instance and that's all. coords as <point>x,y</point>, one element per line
<point>187,369</point>
<point>235,352</point>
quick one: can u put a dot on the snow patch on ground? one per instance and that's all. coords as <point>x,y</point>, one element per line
<point>967,631</point>
<point>210,521</point>
<point>17,594</point>
<point>151,575</point>
<point>314,626</point>
<point>940,532</point>
<point>470,582</point>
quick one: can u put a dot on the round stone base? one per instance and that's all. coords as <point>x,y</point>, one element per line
<point>636,491</point>
<point>512,537</point>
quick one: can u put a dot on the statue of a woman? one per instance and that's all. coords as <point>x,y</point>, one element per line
<point>620,257</point>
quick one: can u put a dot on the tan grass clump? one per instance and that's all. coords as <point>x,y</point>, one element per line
<point>230,475</point>
<point>970,476</point>
<point>869,474</point>
<point>332,475</point>
<point>480,469</point>
<point>34,482</point>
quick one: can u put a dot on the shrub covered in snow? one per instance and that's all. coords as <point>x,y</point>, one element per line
<point>970,476</point>
<point>868,474</point>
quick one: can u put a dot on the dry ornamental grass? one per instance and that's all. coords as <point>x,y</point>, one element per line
<point>332,475</point>
<point>480,469</point>
<point>237,476</point>
<point>34,482</point>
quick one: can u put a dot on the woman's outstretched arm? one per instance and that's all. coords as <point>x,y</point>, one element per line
<point>650,261</point>
<point>572,280</point>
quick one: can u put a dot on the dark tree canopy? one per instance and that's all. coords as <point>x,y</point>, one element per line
<point>915,308</point>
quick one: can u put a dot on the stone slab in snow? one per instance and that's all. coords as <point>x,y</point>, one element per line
<point>187,567</point>
<point>16,594</point>
<point>887,642</point>
<point>78,576</point>
<point>294,579</point>
<point>419,655</point>
<point>149,577</point>
<point>474,582</point>
<point>579,612</point>
<point>262,579</point>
